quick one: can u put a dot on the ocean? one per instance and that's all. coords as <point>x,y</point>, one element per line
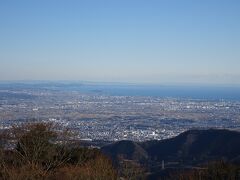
<point>202,92</point>
<point>165,91</point>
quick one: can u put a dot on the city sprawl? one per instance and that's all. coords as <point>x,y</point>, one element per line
<point>112,118</point>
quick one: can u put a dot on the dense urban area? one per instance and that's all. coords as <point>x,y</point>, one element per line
<point>95,116</point>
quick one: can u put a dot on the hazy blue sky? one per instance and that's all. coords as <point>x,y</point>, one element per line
<point>153,41</point>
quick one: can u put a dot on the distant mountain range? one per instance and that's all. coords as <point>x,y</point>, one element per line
<point>189,149</point>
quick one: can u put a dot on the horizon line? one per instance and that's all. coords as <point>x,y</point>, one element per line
<point>122,83</point>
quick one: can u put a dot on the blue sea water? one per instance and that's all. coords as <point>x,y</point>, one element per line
<point>190,92</point>
<point>202,92</point>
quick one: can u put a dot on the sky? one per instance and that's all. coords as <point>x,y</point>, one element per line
<point>136,41</point>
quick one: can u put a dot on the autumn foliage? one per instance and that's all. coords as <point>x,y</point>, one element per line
<point>42,151</point>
